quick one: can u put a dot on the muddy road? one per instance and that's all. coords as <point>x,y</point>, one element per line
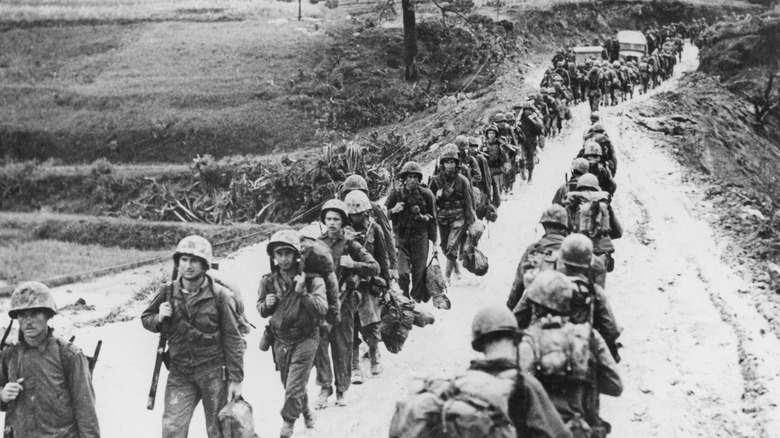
<point>698,360</point>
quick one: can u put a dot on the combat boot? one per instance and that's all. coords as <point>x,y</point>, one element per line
<point>456,269</point>
<point>448,270</point>
<point>530,175</point>
<point>341,399</point>
<point>287,429</point>
<point>308,417</point>
<point>376,368</point>
<point>357,373</point>
<point>322,399</point>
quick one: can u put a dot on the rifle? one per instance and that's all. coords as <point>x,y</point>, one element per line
<point>5,335</point>
<point>160,354</point>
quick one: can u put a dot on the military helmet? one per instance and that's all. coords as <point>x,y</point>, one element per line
<point>598,127</point>
<point>410,167</point>
<point>354,182</point>
<point>559,64</point>
<point>616,64</point>
<point>605,63</point>
<point>498,117</point>
<point>285,239</point>
<point>357,202</point>
<point>588,63</point>
<point>551,289</point>
<point>473,141</point>
<point>449,152</point>
<point>577,250</point>
<point>580,165</point>
<point>555,214</point>
<point>588,181</point>
<point>600,138</point>
<point>493,128</point>
<point>509,117</point>
<point>557,78</point>
<point>594,116</point>
<point>195,246</point>
<point>336,205</point>
<point>592,148</point>
<point>461,141</point>
<point>32,295</point>
<point>492,319</point>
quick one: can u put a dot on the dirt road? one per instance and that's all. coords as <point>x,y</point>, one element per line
<point>692,363</point>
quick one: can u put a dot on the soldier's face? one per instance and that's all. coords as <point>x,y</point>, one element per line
<point>491,135</point>
<point>333,221</point>
<point>191,267</point>
<point>32,323</point>
<point>284,258</point>
<point>412,181</point>
<point>449,166</point>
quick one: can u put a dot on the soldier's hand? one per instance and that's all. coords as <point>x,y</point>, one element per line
<point>11,390</point>
<point>300,284</point>
<point>346,262</point>
<point>399,207</point>
<point>439,193</point>
<point>234,390</point>
<point>166,310</point>
<point>271,300</point>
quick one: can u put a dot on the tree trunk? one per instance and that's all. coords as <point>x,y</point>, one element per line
<point>410,41</point>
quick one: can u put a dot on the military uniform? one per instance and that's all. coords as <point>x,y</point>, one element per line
<point>454,211</point>
<point>206,351</point>
<point>58,400</point>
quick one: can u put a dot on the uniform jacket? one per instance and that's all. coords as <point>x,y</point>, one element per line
<point>295,316</point>
<point>203,329</point>
<point>410,226</point>
<point>531,130</point>
<point>365,265</point>
<point>456,199</point>
<point>486,184</point>
<point>380,217</point>
<point>58,400</point>
<point>530,408</point>
<point>582,398</point>
<point>368,308</point>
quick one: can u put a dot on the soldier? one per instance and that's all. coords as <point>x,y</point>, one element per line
<point>368,314</point>
<point>575,393</point>
<point>47,388</point>
<point>413,212</point>
<point>497,159</point>
<point>594,78</point>
<point>454,209</point>
<point>486,185</point>
<point>494,332</point>
<point>379,215</point>
<point>602,242</point>
<point>579,167</point>
<point>532,128</point>
<point>296,305</point>
<point>506,132</point>
<point>593,152</point>
<point>351,261</point>
<point>469,165</point>
<point>201,319</point>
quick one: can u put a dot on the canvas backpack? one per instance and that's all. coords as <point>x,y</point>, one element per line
<point>556,350</point>
<point>588,213</point>
<point>473,404</point>
<point>540,260</point>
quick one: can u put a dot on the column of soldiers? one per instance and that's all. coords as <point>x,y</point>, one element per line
<point>548,355</point>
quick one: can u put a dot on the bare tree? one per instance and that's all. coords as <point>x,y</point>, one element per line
<point>410,41</point>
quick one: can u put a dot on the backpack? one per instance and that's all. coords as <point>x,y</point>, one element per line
<point>593,77</point>
<point>476,262</point>
<point>397,318</point>
<point>473,404</point>
<point>556,350</point>
<point>236,420</point>
<point>539,261</point>
<point>588,213</point>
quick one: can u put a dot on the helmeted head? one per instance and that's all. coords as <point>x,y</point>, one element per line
<point>616,65</point>
<point>473,143</point>
<point>598,127</point>
<point>605,63</point>
<point>498,118</point>
<point>354,182</point>
<point>449,152</point>
<point>552,290</point>
<point>594,116</point>
<point>462,142</point>
<point>491,129</point>
<point>588,64</point>
<point>588,181</point>
<point>289,239</point>
<point>195,246</point>
<point>357,202</point>
<point>555,215</point>
<point>490,322</point>
<point>577,250</point>
<point>334,205</point>
<point>509,118</point>
<point>580,166</point>
<point>560,63</point>
<point>410,168</point>
<point>592,149</point>
<point>32,295</point>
